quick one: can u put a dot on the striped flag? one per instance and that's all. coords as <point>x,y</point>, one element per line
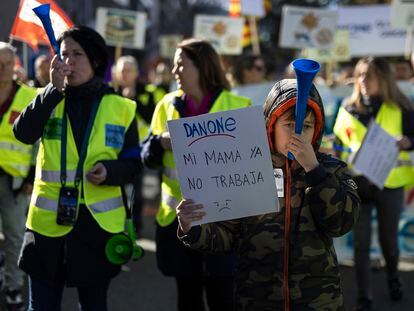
<point>28,28</point>
<point>235,11</point>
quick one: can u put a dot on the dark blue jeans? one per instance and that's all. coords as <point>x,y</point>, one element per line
<point>44,296</point>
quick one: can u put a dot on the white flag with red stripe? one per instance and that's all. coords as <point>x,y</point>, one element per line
<point>28,28</point>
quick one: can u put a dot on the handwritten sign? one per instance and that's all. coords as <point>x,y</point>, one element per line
<point>223,161</point>
<point>377,156</point>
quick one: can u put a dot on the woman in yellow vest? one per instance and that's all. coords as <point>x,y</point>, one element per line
<point>377,97</point>
<point>202,88</point>
<point>88,150</point>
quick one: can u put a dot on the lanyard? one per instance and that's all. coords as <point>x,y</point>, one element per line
<point>82,155</point>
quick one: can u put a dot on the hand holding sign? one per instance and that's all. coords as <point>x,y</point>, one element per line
<point>188,212</point>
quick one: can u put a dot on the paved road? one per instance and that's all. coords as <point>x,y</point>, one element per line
<point>145,289</point>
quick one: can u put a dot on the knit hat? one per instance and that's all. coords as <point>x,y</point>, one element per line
<point>92,43</point>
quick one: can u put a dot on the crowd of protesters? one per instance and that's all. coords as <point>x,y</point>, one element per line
<point>72,141</point>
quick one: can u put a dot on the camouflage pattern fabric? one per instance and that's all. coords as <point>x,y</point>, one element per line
<point>319,212</point>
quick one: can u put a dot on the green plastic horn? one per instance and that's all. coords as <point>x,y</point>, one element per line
<point>122,247</point>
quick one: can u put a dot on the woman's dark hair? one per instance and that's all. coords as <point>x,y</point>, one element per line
<point>388,88</point>
<point>92,43</point>
<point>208,63</point>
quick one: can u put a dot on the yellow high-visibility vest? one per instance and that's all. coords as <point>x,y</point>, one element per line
<point>114,116</point>
<point>351,132</point>
<point>144,98</point>
<point>165,110</point>
<point>15,156</point>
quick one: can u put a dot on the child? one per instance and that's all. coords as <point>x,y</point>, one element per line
<point>319,202</point>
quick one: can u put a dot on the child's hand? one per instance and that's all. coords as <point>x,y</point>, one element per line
<point>303,152</point>
<point>187,212</point>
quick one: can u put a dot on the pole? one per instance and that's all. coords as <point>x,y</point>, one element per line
<point>25,57</point>
<point>409,42</point>
<point>254,34</point>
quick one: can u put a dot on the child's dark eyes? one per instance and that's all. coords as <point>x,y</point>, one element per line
<point>308,126</point>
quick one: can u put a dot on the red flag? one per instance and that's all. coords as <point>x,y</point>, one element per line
<point>28,28</point>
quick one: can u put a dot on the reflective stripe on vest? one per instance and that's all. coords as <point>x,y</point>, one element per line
<point>99,207</point>
<point>105,203</point>
<point>351,132</point>
<point>45,203</point>
<point>15,157</point>
<point>54,176</point>
<point>165,111</point>
<point>14,147</point>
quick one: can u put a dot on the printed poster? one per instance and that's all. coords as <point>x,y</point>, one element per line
<point>224,162</point>
<point>123,28</point>
<point>304,27</point>
<point>339,52</point>
<point>224,33</point>
<point>370,31</point>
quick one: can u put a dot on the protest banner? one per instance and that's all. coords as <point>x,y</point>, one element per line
<point>223,161</point>
<point>121,28</point>
<point>304,27</point>
<point>224,33</point>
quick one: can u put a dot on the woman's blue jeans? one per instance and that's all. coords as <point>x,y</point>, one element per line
<point>44,296</point>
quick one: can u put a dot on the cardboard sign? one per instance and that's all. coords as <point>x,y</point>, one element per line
<point>224,33</point>
<point>121,27</point>
<point>223,161</point>
<point>303,27</point>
